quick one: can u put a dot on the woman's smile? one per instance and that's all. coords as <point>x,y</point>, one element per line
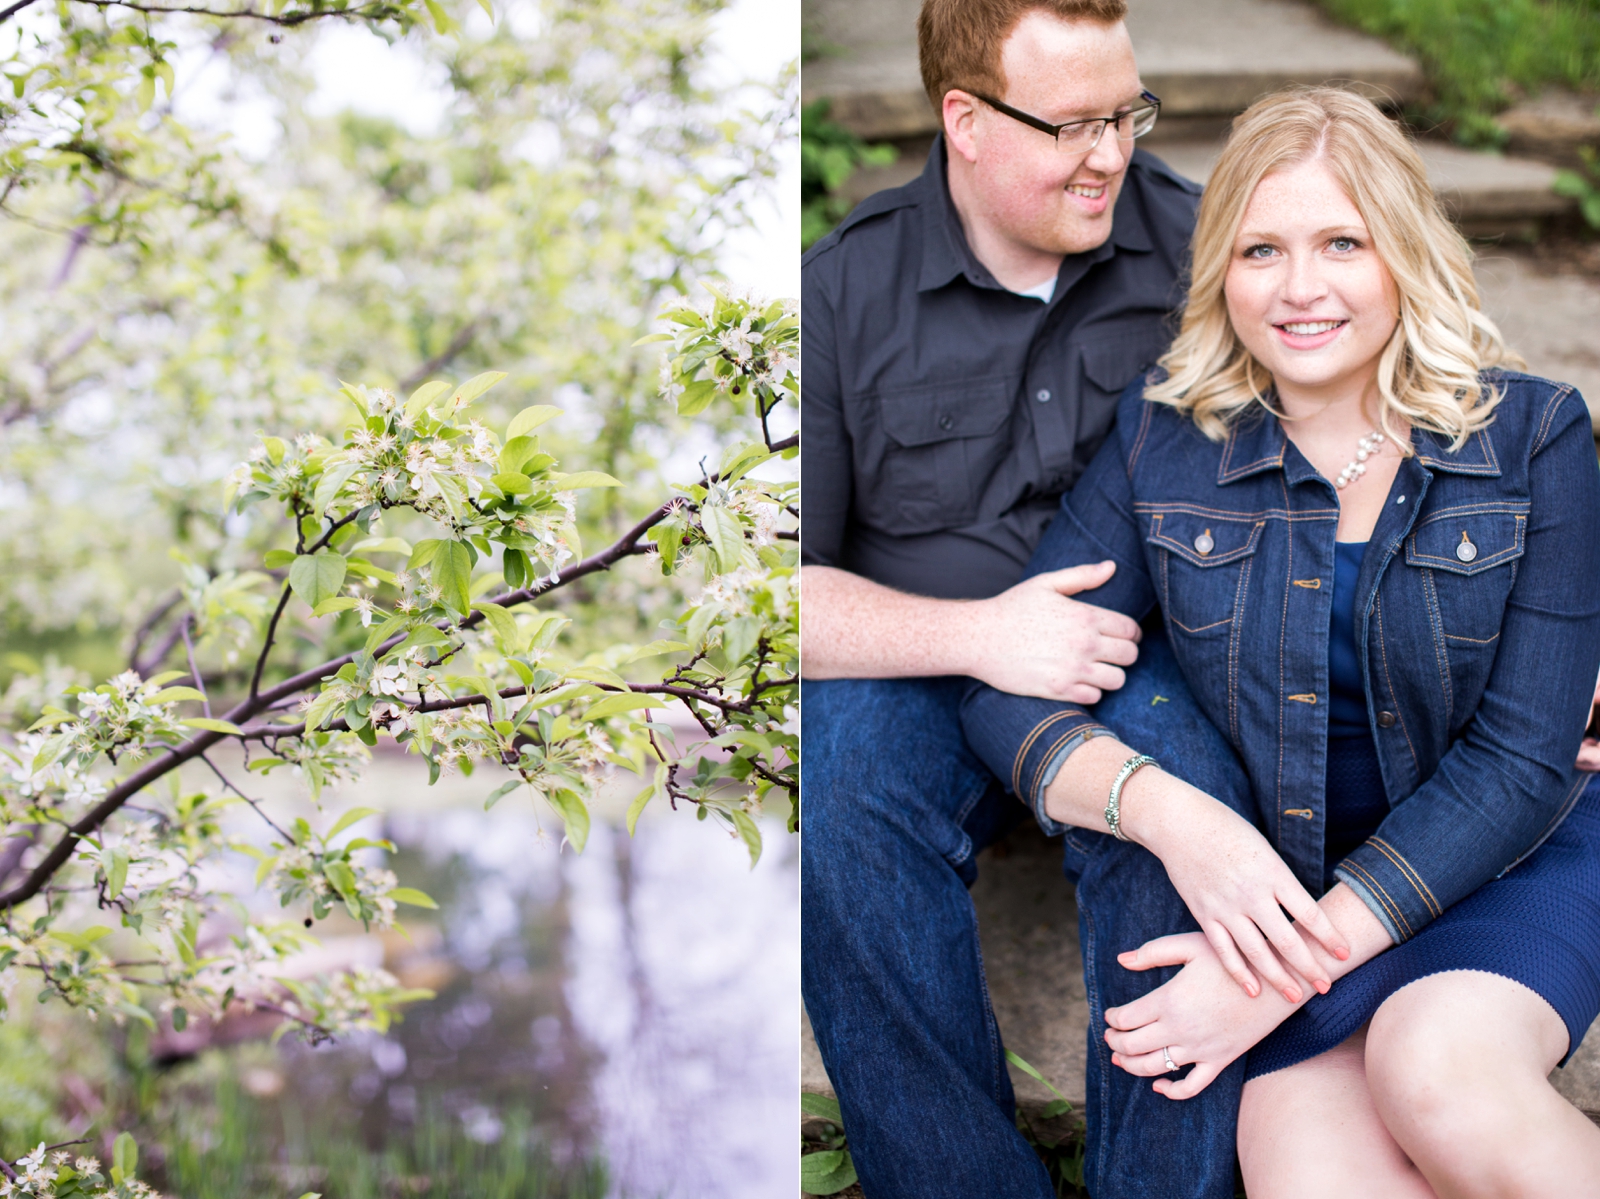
<point>1310,335</point>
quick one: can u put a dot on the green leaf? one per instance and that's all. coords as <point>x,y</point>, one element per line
<point>503,624</point>
<point>726,534</point>
<point>637,807</point>
<point>116,864</point>
<point>423,553</point>
<point>478,384</point>
<point>125,1156</point>
<point>825,1107</point>
<point>655,649</point>
<point>628,701</point>
<point>452,574</point>
<point>383,545</point>
<point>517,453</point>
<point>578,480</point>
<point>329,485</point>
<point>50,749</point>
<point>83,940</point>
<point>749,834</point>
<point>342,877</point>
<point>171,695</point>
<point>277,559</point>
<point>513,482</point>
<point>166,676</point>
<point>425,395</point>
<point>574,814</point>
<point>1056,1107</point>
<point>349,818</point>
<point>339,603</point>
<point>317,577</point>
<point>500,792</point>
<point>1032,1073</point>
<point>696,397</point>
<point>210,725</point>
<point>410,895</point>
<point>826,1173</point>
<point>530,418</point>
<point>180,1019</point>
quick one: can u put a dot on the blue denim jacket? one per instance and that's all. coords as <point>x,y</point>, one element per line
<point>1478,622</point>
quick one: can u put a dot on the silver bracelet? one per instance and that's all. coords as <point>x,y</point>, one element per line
<point>1114,802</point>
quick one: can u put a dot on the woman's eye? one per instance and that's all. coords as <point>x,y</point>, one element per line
<point>1260,251</point>
<point>1344,245</point>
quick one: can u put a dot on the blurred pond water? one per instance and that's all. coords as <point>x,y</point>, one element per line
<point>637,1002</point>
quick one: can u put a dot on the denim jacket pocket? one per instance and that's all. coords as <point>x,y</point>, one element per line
<point>1468,556</point>
<point>942,445</point>
<point>1202,568</point>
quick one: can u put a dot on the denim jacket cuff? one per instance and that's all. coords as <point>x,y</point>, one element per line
<point>1060,751</point>
<point>1388,884</point>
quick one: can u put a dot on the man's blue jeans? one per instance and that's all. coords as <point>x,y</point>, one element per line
<point>895,809</point>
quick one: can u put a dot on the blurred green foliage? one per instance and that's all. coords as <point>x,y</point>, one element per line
<point>829,155</point>
<point>1479,54</point>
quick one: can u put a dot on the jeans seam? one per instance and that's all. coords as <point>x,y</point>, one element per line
<point>1430,599</point>
<point>1409,873</point>
<point>991,1025</point>
<point>1383,897</point>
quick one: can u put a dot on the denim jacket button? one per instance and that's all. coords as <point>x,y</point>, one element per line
<point>1385,720</point>
<point>1203,543</point>
<point>1466,551</point>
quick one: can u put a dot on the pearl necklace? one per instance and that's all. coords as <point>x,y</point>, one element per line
<point>1365,448</point>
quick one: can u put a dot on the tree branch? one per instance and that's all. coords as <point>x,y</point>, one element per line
<point>371,12</point>
<point>459,342</point>
<point>147,626</point>
<point>5,15</point>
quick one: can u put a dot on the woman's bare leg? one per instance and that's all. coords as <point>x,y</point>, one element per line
<point>1311,1132</point>
<point>1457,1067</point>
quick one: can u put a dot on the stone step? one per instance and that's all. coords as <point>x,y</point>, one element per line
<point>1488,195</point>
<point>1206,59</point>
<point>1028,925</point>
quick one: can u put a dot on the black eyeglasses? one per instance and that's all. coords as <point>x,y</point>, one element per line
<point>1083,136</point>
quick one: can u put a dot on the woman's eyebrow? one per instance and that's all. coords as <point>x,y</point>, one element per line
<point>1247,235</point>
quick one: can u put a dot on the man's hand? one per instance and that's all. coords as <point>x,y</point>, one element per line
<point>1034,639</point>
<point>1589,751</point>
<point>1030,640</point>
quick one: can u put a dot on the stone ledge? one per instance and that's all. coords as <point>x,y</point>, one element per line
<point>1190,53</point>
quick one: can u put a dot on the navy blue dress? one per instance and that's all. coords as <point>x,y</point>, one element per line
<point>1538,924</point>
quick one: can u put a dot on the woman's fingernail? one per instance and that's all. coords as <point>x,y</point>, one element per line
<point>1322,986</point>
<point>1342,954</point>
<point>1291,994</point>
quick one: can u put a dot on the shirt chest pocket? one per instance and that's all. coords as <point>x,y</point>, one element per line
<point>1202,569</point>
<point>1467,559</point>
<point>940,447</point>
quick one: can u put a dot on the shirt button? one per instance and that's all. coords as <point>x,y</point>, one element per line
<point>1042,395</point>
<point>1385,720</point>
<point>1466,551</point>
<point>947,423</point>
<point>1203,543</point>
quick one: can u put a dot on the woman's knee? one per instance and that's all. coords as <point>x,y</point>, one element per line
<point>1450,1059</point>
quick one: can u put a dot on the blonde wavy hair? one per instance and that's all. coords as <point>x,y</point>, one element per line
<point>1428,371</point>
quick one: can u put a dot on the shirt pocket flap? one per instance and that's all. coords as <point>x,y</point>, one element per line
<point>1111,364</point>
<point>1465,541</point>
<point>929,415</point>
<point>1204,540</point>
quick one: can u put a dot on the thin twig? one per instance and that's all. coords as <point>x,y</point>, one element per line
<point>266,644</point>
<point>254,803</point>
<point>371,12</point>
<point>148,624</point>
<point>194,670</point>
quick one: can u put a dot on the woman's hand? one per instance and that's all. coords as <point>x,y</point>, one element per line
<point>1589,751</point>
<point>1233,882</point>
<point>1198,1017</point>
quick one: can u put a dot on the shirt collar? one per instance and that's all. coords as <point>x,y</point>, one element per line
<point>946,255</point>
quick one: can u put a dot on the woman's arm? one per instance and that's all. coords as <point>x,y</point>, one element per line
<point>1510,777</point>
<point>1200,1017</point>
<point>1229,876</point>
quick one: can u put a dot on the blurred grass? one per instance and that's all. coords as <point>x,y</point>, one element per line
<point>1480,55</point>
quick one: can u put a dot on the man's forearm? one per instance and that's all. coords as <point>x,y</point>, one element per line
<point>853,628</point>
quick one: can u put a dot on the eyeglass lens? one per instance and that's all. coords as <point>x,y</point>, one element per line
<point>1086,134</point>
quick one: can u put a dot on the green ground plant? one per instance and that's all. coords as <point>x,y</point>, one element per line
<point>1583,186</point>
<point>829,155</point>
<point>1479,54</point>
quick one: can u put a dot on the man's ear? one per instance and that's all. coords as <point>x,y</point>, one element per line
<point>960,115</point>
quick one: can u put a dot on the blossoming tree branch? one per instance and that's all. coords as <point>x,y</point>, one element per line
<point>114,801</point>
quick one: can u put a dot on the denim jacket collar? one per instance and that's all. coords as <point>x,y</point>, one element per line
<point>1256,443</point>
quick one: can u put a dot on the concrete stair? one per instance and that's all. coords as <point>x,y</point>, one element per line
<point>1028,924</point>
<point>1206,59</point>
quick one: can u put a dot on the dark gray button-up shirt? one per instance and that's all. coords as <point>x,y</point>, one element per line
<point>944,416</point>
